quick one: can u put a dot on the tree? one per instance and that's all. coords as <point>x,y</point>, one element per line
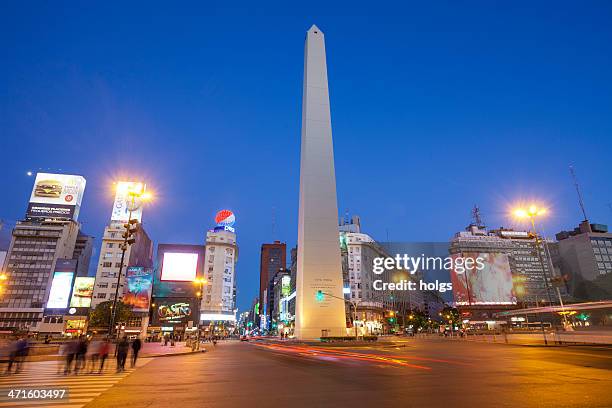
<point>450,314</point>
<point>101,315</point>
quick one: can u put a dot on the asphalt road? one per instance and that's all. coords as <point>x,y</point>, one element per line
<point>418,373</point>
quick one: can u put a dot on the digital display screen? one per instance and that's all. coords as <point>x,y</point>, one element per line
<point>179,266</point>
<point>60,290</point>
<point>82,292</point>
<point>491,285</point>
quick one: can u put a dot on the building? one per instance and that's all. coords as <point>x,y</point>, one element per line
<point>35,248</point>
<point>531,274</point>
<point>273,258</point>
<point>109,262</point>
<point>176,294</point>
<point>220,271</point>
<point>358,252</point>
<point>584,258</point>
<point>49,235</point>
<point>516,273</point>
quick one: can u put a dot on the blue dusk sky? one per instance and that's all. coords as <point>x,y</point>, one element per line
<point>435,108</point>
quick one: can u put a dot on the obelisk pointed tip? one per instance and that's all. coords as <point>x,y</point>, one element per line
<point>315,30</point>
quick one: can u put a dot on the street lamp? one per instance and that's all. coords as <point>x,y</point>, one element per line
<point>200,282</point>
<point>531,212</point>
<point>321,295</point>
<point>131,227</point>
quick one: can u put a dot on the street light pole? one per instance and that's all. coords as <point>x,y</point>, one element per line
<point>354,304</point>
<point>127,241</point>
<point>124,246</point>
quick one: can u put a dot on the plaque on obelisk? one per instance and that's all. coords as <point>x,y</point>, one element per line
<point>319,298</point>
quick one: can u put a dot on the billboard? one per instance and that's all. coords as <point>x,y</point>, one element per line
<point>56,196</point>
<point>122,204</point>
<point>139,288</point>
<point>179,266</point>
<point>174,312</point>
<point>491,285</point>
<point>60,290</point>
<point>82,292</point>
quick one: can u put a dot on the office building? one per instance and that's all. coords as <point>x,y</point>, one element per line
<point>584,259</point>
<point>273,258</point>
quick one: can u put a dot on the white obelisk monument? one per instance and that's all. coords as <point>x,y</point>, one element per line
<point>318,253</point>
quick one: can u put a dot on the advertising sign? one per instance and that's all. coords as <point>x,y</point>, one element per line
<point>60,290</point>
<point>123,201</point>
<point>82,292</point>
<point>492,285</point>
<point>174,312</point>
<point>225,218</point>
<point>179,266</point>
<point>56,196</point>
<point>286,285</point>
<point>139,288</point>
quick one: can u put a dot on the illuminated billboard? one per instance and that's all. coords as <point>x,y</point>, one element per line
<point>179,266</point>
<point>491,285</point>
<point>56,196</point>
<point>60,290</point>
<point>174,312</point>
<point>123,201</point>
<point>139,288</point>
<point>225,218</point>
<point>82,292</point>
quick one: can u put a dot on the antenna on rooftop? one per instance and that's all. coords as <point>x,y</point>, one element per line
<point>580,201</point>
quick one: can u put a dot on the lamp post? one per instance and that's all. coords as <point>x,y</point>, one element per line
<point>128,240</point>
<point>531,212</point>
<point>200,282</point>
<point>352,302</point>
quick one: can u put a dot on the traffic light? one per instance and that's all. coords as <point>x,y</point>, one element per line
<point>320,296</point>
<point>131,227</point>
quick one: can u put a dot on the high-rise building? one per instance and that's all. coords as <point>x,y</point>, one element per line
<point>273,258</point>
<point>219,297</point>
<point>584,259</point>
<point>319,268</point>
<point>514,274</point>
<point>109,262</point>
<point>50,234</point>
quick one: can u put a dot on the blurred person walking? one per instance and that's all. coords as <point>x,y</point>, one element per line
<point>80,354</point>
<point>104,351</point>
<point>93,354</point>
<point>70,353</point>
<point>136,345</point>
<point>22,350</point>
<point>122,351</point>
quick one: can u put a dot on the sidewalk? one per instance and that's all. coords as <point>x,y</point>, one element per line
<point>157,349</point>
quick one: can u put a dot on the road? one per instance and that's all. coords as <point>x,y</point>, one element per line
<point>415,373</point>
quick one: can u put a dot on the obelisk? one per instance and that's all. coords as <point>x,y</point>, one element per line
<point>318,253</point>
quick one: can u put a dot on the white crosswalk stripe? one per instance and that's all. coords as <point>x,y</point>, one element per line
<point>81,388</point>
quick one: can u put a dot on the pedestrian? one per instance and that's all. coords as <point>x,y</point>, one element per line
<point>23,348</point>
<point>122,352</point>
<point>61,352</point>
<point>11,352</point>
<point>71,350</point>
<point>80,354</point>
<point>136,345</point>
<point>93,354</point>
<point>104,350</point>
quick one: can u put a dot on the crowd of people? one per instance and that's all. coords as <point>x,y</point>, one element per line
<point>14,354</point>
<point>91,355</point>
<point>78,355</point>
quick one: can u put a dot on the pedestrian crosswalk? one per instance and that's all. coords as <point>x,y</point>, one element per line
<point>49,375</point>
